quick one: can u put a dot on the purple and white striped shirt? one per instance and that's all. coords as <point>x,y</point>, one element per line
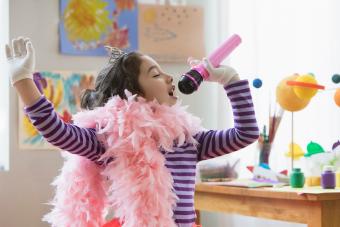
<point>181,163</point>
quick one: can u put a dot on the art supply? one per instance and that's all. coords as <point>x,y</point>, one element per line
<point>297,178</point>
<point>265,136</point>
<point>328,177</point>
<point>313,181</point>
<point>338,178</point>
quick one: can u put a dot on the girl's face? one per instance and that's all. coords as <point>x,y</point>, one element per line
<point>155,83</point>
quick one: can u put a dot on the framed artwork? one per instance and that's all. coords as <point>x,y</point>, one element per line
<point>63,89</point>
<point>87,26</point>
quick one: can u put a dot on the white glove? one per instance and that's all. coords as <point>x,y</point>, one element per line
<point>21,59</point>
<point>222,74</point>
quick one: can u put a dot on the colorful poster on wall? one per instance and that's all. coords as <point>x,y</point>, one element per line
<point>87,26</point>
<point>63,89</point>
<point>171,33</point>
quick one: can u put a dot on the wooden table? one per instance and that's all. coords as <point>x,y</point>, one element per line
<point>316,210</point>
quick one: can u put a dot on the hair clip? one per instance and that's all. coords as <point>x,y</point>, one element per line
<point>114,53</point>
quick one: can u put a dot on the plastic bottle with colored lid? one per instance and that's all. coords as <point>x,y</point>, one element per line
<point>328,177</point>
<point>297,178</point>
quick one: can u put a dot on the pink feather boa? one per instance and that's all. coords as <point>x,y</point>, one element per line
<point>136,184</point>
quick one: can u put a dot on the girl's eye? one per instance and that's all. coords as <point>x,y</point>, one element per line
<point>157,75</point>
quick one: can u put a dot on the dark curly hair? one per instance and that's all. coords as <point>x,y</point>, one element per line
<point>113,79</point>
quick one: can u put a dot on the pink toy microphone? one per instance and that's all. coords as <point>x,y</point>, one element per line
<point>191,80</point>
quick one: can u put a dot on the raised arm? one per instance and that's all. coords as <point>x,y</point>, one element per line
<point>21,59</point>
<point>81,141</point>
<point>214,143</point>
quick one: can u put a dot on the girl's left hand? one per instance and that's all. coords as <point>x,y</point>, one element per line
<point>21,59</point>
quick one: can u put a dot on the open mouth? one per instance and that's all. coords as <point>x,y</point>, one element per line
<point>172,91</point>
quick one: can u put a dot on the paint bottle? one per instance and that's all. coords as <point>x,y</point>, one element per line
<point>297,178</point>
<point>338,178</point>
<point>313,181</point>
<point>328,177</point>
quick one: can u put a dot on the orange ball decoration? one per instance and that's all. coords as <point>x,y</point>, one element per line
<point>287,98</point>
<point>337,97</point>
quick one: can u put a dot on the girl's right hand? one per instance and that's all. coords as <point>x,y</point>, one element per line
<point>223,74</point>
<point>21,59</point>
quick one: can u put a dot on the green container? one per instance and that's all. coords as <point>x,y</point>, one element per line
<point>297,179</point>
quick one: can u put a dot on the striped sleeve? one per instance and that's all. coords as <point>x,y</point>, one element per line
<point>69,137</point>
<point>214,143</point>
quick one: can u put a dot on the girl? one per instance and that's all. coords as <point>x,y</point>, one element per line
<point>135,148</point>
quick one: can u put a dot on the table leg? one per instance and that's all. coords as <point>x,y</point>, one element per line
<point>324,214</point>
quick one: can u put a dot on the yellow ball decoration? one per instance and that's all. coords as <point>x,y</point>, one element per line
<point>305,92</point>
<point>287,98</point>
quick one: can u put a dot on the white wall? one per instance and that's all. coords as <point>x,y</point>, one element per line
<point>289,37</point>
<point>292,36</point>
<point>4,88</point>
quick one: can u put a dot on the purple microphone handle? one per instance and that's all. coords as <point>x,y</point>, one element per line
<point>219,54</point>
